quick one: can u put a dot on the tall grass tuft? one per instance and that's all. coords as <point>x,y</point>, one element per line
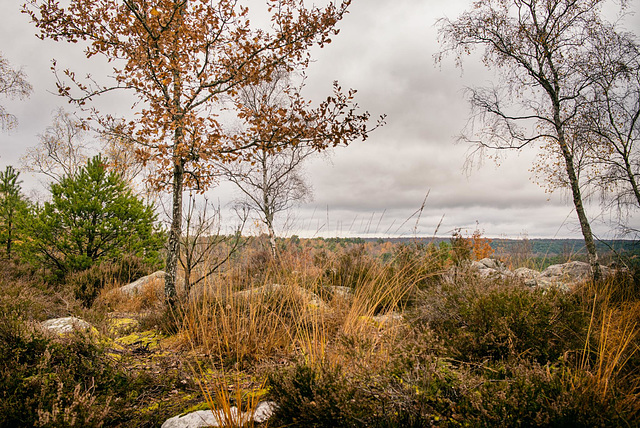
<point>611,354</point>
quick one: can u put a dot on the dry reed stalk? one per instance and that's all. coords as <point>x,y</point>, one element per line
<point>617,332</point>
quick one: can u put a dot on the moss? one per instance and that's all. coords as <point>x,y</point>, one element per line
<point>153,407</point>
<point>150,340</point>
<point>196,407</point>
<point>122,325</point>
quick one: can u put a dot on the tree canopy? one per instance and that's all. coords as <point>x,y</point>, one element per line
<point>180,57</point>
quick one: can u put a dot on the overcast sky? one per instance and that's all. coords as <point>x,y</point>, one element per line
<point>385,51</point>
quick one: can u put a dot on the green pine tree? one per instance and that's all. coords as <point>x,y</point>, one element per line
<point>13,209</point>
<point>93,217</point>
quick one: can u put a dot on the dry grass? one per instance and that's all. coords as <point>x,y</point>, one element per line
<point>343,311</point>
<point>613,341</point>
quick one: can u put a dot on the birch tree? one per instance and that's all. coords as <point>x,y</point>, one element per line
<point>271,182</point>
<point>63,149</point>
<point>538,47</point>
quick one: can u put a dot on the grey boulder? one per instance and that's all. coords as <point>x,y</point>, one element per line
<point>65,325</point>
<point>208,418</point>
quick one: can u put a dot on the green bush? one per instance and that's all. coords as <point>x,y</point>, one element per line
<point>53,382</point>
<point>481,321</point>
<point>14,209</point>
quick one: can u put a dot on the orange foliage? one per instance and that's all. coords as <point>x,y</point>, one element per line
<point>480,246</point>
<point>180,58</point>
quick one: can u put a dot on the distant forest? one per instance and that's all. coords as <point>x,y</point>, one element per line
<point>534,247</point>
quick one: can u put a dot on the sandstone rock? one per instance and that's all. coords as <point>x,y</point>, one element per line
<point>526,273</point>
<point>156,279</point>
<point>529,276</point>
<point>310,298</point>
<point>572,271</point>
<point>208,418</point>
<point>564,275</point>
<point>491,268</point>
<point>492,264</point>
<point>66,325</point>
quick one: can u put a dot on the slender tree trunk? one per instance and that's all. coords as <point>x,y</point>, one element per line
<point>175,233</point>
<point>272,238</point>
<point>187,279</point>
<point>173,246</point>
<point>632,179</point>
<point>577,199</point>
<point>266,204</point>
<point>9,235</point>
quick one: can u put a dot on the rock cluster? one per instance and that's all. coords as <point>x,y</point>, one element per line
<point>562,276</point>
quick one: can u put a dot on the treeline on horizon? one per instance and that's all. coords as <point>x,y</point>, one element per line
<point>535,247</point>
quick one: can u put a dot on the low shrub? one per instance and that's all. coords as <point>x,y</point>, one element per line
<point>524,394</point>
<point>65,381</point>
<point>434,392</point>
<point>325,396</point>
<point>24,295</point>
<point>480,320</point>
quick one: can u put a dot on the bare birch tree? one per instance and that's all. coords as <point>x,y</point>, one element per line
<point>272,182</point>
<point>63,149</point>
<point>609,126</point>
<point>539,47</point>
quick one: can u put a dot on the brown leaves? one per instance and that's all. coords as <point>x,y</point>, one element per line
<point>180,56</point>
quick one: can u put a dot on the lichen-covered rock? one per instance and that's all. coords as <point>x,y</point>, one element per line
<point>492,264</point>
<point>491,268</point>
<point>67,325</point>
<point>529,276</point>
<point>208,418</point>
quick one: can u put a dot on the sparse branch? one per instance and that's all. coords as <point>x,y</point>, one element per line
<point>13,84</point>
<point>62,151</point>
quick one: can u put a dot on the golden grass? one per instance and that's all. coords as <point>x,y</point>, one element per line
<point>288,311</point>
<point>613,339</point>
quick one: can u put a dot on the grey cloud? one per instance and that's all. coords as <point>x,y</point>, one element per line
<point>384,50</point>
